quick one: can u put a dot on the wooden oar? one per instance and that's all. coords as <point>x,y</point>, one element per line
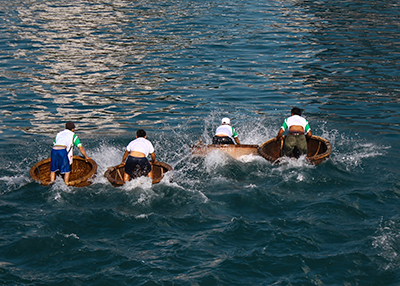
<point>119,173</point>
<point>200,142</point>
<point>319,146</point>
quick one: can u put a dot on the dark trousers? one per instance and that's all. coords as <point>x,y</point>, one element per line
<point>222,140</point>
<point>292,141</point>
<point>137,167</point>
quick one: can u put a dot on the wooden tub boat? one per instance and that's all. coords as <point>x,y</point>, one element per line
<point>235,151</point>
<point>319,150</point>
<point>81,172</point>
<point>115,174</point>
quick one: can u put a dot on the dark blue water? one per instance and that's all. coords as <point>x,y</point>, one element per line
<point>175,68</point>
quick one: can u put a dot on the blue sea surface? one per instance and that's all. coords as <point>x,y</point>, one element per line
<point>175,69</point>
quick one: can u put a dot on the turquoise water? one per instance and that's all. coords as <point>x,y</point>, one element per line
<point>175,68</point>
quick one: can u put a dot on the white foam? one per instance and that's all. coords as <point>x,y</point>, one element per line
<point>355,153</point>
<point>15,182</point>
<point>216,159</point>
<point>138,183</point>
<point>105,156</point>
<point>250,158</point>
<point>387,242</point>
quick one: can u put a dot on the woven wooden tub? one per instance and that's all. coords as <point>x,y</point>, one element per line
<point>81,172</point>
<point>319,149</point>
<point>115,174</point>
<point>235,151</point>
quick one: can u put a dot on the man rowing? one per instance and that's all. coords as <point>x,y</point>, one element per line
<point>62,152</point>
<point>299,129</point>
<point>137,151</point>
<point>225,133</point>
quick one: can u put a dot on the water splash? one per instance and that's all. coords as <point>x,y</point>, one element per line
<point>387,242</point>
<point>351,152</point>
<point>14,182</point>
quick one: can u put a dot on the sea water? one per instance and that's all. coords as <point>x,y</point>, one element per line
<point>175,69</point>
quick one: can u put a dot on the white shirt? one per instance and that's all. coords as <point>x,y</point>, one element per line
<point>69,139</point>
<point>296,120</point>
<point>226,130</point>
<point>141,145</point>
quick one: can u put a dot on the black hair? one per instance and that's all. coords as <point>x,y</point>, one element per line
<point>140,133</point>
<point>296,111</point>
<point>69,125</point>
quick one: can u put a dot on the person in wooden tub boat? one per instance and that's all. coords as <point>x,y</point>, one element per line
<point>225,133</point>
<point>299,131</point>
<point>62,152</point>
<point>137,164</point>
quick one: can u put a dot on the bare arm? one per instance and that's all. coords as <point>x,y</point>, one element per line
<point>237,140</point>
<point>280,133</point>
<point>125,156</point>
<point>153,157</point>
<point>83,152</point>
